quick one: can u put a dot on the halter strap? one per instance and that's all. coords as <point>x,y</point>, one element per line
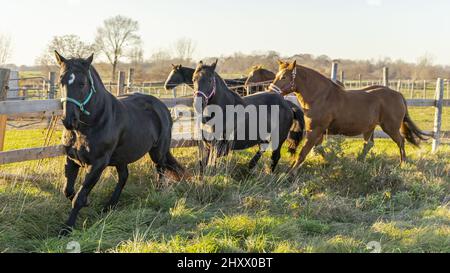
<point>211,95</point>
<point>290,86</point>
<point>83,104</point>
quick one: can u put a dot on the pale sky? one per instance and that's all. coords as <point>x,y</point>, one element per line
<point>357,29</point>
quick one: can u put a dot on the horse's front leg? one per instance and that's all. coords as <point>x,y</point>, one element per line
<point>93,175</point>
<point>204,155</point>
<point>312,137</point>
<point>319,149</point>
<point>71,172</point>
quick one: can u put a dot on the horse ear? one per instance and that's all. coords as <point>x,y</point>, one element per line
<point>200,65</point>
<point>174,66</point>
<point>89,60</point>
<point>59,58</point>
<point>214,65</point>
<point>280,62</point>
<point>293,65</point>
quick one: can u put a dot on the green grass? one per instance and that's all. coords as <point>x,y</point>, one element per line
<point>333,205</point>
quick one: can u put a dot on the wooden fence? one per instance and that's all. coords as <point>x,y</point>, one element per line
<point>51,107</point>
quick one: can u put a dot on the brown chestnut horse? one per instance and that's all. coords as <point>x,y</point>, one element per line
<point>260,75</point>
<point>331,109</point>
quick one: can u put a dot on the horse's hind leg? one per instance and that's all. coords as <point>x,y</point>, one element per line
<point>312,138</point>
<point>159,158</point>
<point>122,171</point>
<point>276,156</point>
<point>397,138</point>
<point>368,145</point>
<point>255,159</point>
<point>71,172</point>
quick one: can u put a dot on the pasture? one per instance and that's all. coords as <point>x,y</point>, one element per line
<point>337,204</point>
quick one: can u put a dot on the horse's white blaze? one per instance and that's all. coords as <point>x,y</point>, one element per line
<point>71,79</point>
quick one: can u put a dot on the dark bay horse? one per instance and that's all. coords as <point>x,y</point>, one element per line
<point>259,75</point>
<point>211,90</point>
<point>331,109</point>
<point>102,130</point>
<point>183,75</point>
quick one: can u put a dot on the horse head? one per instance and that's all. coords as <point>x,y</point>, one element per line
<point>175,78</point>
<point>284,82</point>
<point>77,88</point>
<point>205,84</point>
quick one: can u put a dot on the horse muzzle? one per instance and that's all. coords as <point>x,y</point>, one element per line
<point>72,123</point>
<point>276,89</point>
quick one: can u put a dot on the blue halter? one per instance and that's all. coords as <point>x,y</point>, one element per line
<point>82,104</point>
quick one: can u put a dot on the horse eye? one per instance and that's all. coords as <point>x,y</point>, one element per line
<point>81,84</point>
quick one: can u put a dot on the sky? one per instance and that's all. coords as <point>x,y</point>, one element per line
<point>355,29</point>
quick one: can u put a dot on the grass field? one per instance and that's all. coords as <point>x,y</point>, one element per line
<point>337,204</point>
<point>333,205</point>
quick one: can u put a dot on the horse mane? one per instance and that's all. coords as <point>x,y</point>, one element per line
<point>188,70</point>
<point>225,86</point>
<point>97,77</point>
<point>309,71</point>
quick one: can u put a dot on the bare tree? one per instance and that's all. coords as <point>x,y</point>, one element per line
<point>5,49</point>
<point>68,45</point>
<point>184,49</point>
<point>117,35</point>
<point>136,56</point>
<point>160,55</point>
<point>424,68</point>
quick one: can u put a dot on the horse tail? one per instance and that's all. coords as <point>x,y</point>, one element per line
<point>411,131</point>
<point>174,168</point>
<point>297,129</point>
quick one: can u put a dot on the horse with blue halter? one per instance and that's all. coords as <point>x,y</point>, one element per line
<point>211,90</point>
<point>102,130</point>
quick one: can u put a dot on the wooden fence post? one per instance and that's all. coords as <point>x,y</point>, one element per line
<point>424,89</point>
<point>343,77</point>
<point>438,114</point>
<point>399,86</point>
<point>413,88</point>
<point>121,84</point>
<point>360,80</point>
<point>130,80</point>
<point>334,70</point>
<point>51,85</point>
<point>13,85</point>
<point>386,76</point>
<point>4,78</point>
<point>448,89</point>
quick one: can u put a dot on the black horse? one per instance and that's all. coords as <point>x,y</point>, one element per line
<point>102,130</point>
<point>183,75</point>
<point>210,90</point>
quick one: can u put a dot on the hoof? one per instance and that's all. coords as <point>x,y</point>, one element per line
<point>108,208</point>
<point>65,231</point>
<point>70,195</point>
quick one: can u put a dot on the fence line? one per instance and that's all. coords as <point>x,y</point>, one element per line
<point>51,107</point>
